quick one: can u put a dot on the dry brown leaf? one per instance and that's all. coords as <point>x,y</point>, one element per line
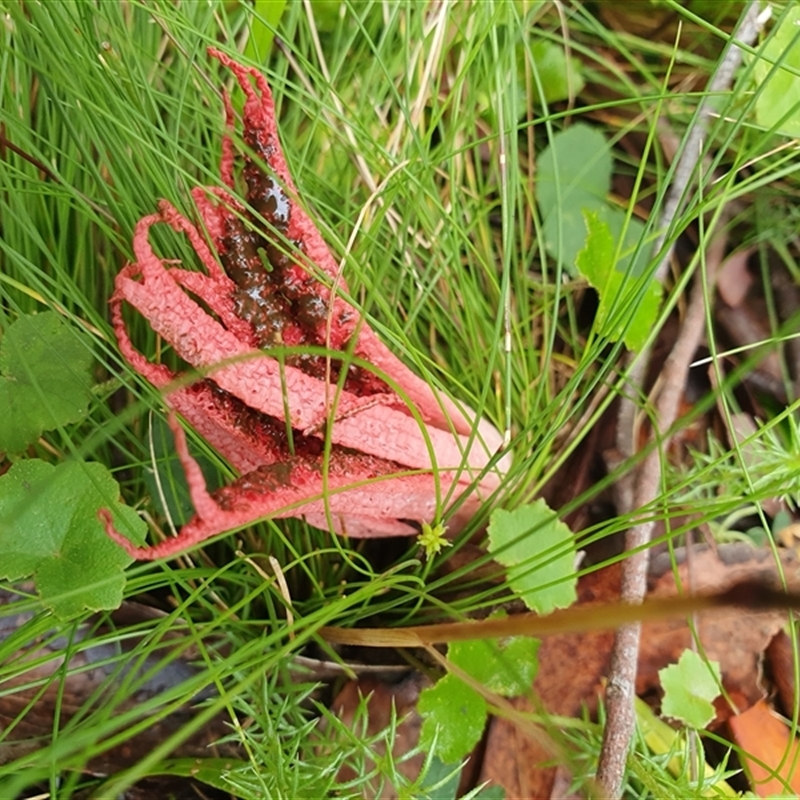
<point>769,755</point>
<point>736,640</point>
<point>734,279</point>
<point>780,658</point>
<point>571,667</point>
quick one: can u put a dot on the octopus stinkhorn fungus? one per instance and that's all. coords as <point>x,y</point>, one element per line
<point>397,450</point>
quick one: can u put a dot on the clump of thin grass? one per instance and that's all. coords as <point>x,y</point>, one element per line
<point>417,122</point>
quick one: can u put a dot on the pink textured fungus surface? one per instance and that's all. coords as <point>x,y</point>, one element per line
<point>392,460</point>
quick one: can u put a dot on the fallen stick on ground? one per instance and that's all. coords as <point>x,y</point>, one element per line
<point>643,489</point>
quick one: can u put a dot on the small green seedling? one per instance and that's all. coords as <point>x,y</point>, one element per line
<point>539,553</point>
<point>455,713</point>
<point>690,686</point>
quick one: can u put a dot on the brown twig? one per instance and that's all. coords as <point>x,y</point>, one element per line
<point>752,595</point>
<point>643,486</point>
<point>622,674</point>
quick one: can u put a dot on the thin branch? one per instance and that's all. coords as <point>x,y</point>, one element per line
<point>747,32</point>
<point>643,488</point>
<point>625,656</point>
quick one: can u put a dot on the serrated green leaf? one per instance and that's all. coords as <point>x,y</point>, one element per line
<point>505,667</point>
<point>689,688</point>
<point>539,552</point>
<point>621,313</point>
<point>455,716</point>
<point>778,98</point>
<point>44,379</point>
<point>454,711</point>
<point>49,529</point>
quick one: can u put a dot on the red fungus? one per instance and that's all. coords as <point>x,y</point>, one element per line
<point>391,458</point>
